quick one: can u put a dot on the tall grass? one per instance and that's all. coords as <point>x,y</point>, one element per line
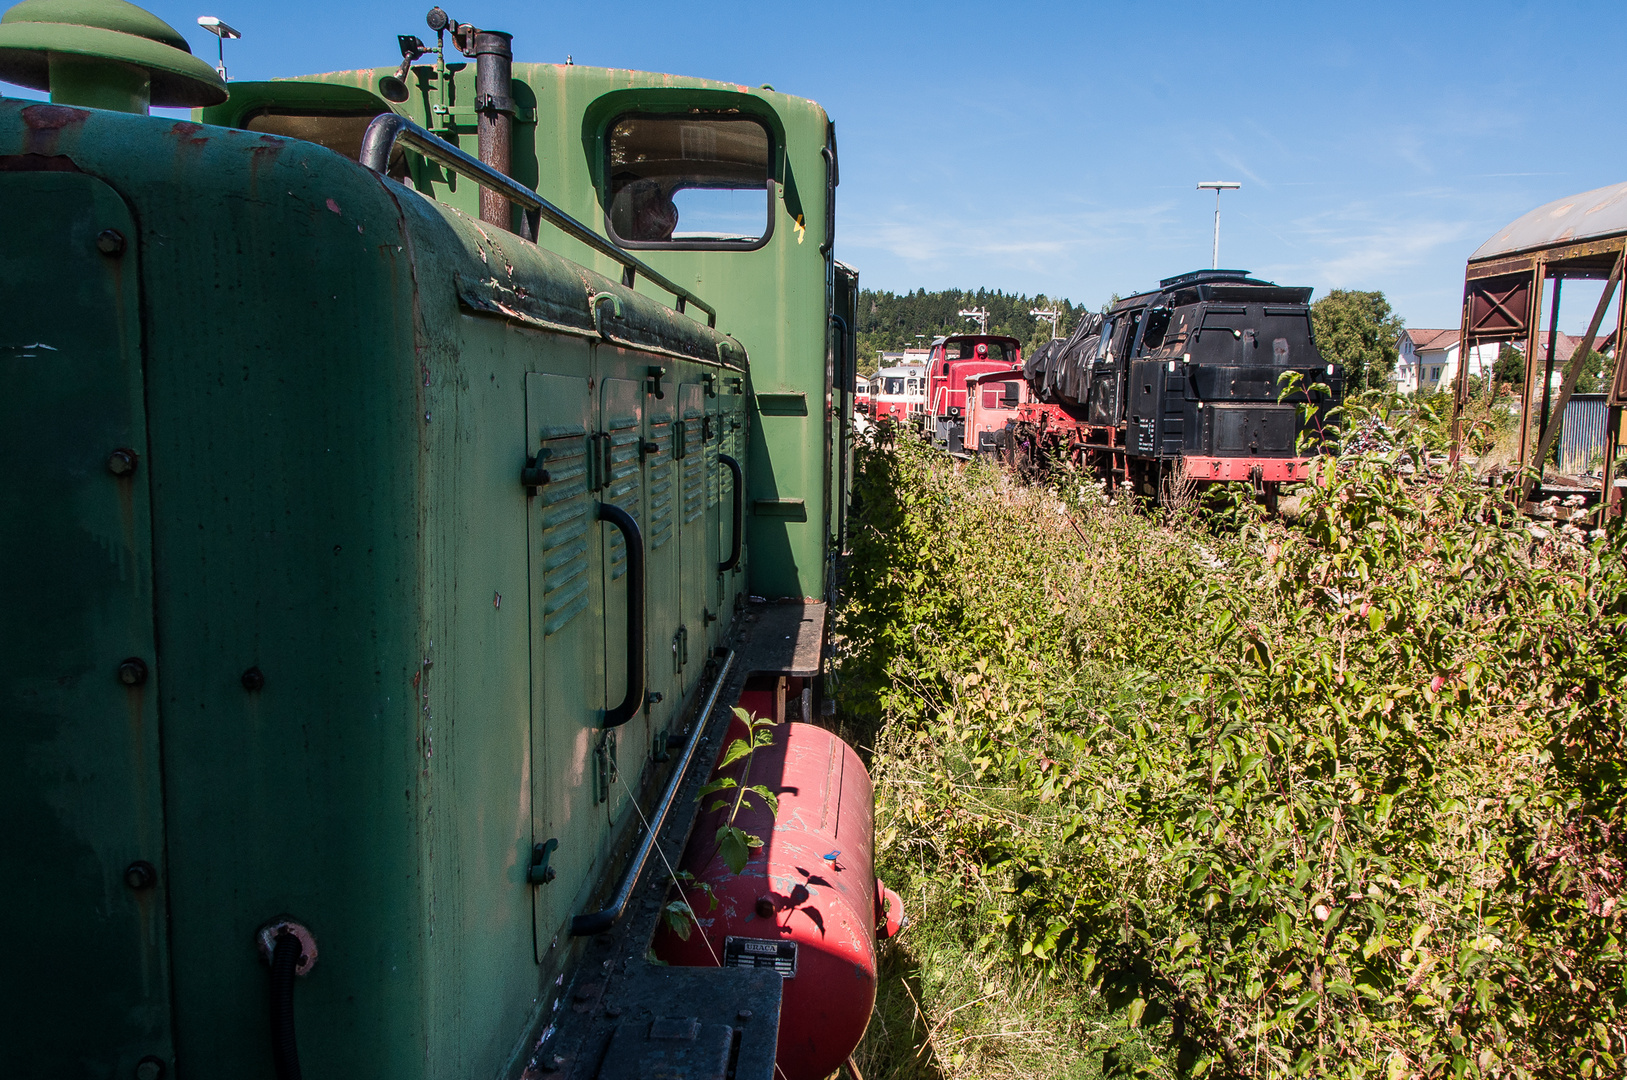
<point>1233,796</point>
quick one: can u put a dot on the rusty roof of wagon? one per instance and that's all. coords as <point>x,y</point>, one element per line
<point>1590,215</point>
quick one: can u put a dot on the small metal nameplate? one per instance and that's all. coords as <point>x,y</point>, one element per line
<point>755,952</point>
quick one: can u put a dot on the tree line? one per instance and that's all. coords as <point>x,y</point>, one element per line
<point>890,322</point>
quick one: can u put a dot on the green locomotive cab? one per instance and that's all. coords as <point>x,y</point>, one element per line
<point>372,548</point>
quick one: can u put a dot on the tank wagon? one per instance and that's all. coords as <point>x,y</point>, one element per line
<point>377,550</point>
<point>1183,382</point>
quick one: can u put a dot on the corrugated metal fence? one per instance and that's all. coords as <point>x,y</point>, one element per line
<point>1581,436</point>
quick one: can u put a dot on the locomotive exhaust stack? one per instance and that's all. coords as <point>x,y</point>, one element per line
<point>493,53</point>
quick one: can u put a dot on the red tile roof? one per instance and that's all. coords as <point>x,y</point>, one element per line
<point>1432,339</point>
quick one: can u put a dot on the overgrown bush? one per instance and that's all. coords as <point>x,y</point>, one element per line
<point>1342,796</point>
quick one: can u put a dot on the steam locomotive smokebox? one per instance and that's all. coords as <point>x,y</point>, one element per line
<point>806,904</point>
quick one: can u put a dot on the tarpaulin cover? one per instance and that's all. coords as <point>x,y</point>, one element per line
<point>1059,371</point>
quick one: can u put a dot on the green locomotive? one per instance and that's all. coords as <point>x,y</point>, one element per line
<point>370,571</point>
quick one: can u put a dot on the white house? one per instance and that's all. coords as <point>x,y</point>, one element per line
<point>1429,359</point>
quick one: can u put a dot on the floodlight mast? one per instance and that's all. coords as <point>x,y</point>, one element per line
<point>222,32</point>
<point>1218,186</point>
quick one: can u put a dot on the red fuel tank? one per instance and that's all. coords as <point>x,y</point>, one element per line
<point>806,901</point>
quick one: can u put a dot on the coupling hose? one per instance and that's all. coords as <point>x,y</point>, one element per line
<point>290,950</point>
<point>284,1049</point>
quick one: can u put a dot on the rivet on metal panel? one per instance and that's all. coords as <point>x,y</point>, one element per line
<point>110,242</point>
<point>743,1015</point>
<point>133,672</point>
<point>150,1068</point>
<point>140,874</point>
<point>253,679</point>
<point>121,462</point>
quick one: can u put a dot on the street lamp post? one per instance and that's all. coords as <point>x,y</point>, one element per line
<point>224,33</point>
<point>1218,186</point>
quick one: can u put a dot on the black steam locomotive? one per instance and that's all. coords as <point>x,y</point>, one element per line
<point>1187,382</point>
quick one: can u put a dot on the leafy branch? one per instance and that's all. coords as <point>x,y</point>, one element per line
<point>735,845</point>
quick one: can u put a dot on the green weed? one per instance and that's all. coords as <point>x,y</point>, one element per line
<point>1342,796</point>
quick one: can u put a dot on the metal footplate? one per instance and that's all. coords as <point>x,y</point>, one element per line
<point>625,1018</point>
<point>684,1023</point>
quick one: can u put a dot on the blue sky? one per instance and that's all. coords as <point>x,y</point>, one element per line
<point>1055,147</point>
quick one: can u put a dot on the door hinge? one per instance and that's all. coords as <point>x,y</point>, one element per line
<point>605,753</point>
<point>540,873</point>
<point>598,460</point>
<point>532,474</point>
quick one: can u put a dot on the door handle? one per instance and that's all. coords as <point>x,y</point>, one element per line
<point>634,700</point>
<point>739,509</point>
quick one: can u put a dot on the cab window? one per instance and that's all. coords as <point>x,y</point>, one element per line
<point>689,181</point>
<point>967,350</point>
<point>1157,327</point>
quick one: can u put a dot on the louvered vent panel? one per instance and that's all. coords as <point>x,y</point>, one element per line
<point>567,513</point>
<point>623,483</point>
<point>695,460</point>
<point>661,483</point>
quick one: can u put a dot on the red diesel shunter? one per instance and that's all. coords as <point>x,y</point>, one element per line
<point>993,400</point>
<point>952,361</point>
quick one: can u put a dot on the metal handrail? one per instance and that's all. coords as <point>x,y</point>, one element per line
<point>633,701</point>
<point>739,512</point>
<point>595,922</point>
<point>388,129</point>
